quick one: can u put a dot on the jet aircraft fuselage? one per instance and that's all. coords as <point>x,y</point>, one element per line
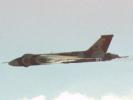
<point>97,52</point>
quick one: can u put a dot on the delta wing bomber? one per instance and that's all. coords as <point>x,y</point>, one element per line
<point>97,52</point>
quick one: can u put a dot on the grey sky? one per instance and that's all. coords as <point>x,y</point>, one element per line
<point>44,26</point>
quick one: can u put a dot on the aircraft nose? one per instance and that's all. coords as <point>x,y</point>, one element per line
<point>14,63</point>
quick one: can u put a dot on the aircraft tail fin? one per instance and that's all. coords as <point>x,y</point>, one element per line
<point>101,45</point>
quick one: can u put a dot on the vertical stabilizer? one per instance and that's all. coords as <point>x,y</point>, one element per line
<point>101,45</point>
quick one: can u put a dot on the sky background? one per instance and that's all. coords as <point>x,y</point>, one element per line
<point>48,26</point>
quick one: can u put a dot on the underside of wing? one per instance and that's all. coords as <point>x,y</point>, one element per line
<point>80,60</point>
<point>61,58</point>
<point>68,59</point>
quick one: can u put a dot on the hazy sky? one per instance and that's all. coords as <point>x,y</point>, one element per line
<point>44,26</point>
